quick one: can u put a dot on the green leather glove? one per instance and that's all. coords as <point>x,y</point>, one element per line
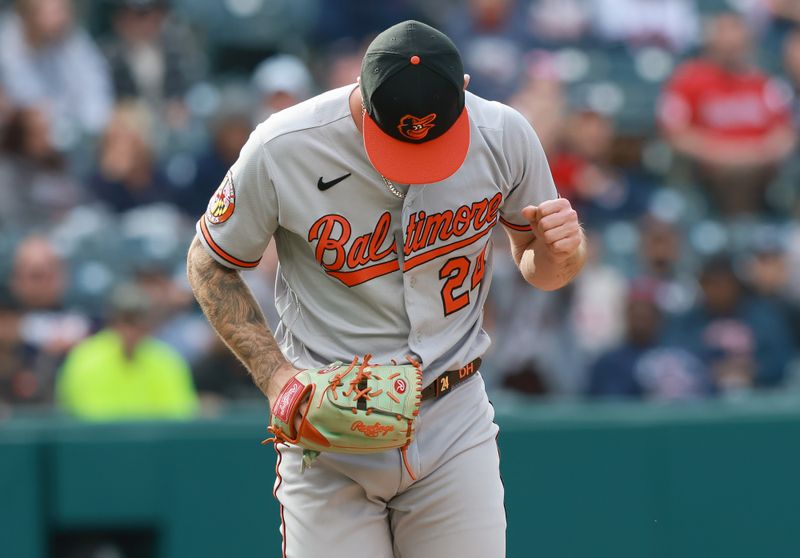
<point>352,408</point>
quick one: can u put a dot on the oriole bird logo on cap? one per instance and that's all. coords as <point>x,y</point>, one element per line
<point>415,128</point>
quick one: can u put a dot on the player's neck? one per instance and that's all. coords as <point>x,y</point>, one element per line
<point>355,108</point>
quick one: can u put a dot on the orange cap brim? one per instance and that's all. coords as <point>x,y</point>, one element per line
<point>417,163</point>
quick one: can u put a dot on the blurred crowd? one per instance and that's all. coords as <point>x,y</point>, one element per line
<point>670,125</point>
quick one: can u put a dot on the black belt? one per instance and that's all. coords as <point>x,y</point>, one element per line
<point>450,379</point>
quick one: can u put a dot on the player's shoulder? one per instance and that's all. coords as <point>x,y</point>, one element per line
<point>316,112</point>
<point>494,115</point>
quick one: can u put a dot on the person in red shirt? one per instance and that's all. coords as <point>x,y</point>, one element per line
<point>729,117</point>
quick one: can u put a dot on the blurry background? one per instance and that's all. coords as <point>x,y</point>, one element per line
<point>671,125</point>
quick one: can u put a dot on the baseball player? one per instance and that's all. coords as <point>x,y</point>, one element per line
<point>381,197</point>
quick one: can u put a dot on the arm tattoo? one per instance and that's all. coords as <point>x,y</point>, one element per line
<point>235,315</point>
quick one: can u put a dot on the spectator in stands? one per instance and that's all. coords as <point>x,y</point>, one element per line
<point>670,24</point>
<point>20,383</point>
<point>280,82</point>
<point>342,65</point>
<point>128,175</point>
<point>742,338</point>
<point>791,66</point>
<point>785,185</point>
<point>661,260</point>
<point>122,372</point>
<point>47,60</point>
<point>600,296</point>
<point>492,36</point>
<point>35,185</point>
<point>220,375</point>
<point>768,275</point>
<point>174,317</point>
<point>541,99</point>
<point>230,130</point>
<point>6,109</point>
<point>643,366</point>
<point>727,116</point>
<point>534,350</point>
<point>787,9</point>
<point>151,58</point>
<point>553,22</point>
<point>584,171</point>
<point>39,283</point>
<point>771,17</point>
<point>355,19</point>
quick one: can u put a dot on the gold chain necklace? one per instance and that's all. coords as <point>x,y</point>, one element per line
<point>393,189</point>
<point>386,181</point>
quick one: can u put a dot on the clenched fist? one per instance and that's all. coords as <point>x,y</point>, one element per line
<point>556,224</point>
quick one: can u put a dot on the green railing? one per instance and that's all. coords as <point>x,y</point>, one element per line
<point>624,481</point>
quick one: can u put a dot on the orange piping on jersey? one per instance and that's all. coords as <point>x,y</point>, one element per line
<point>275,495</point>
<point>524,228</point>
<point>403,452</point>
<point>222,253</point>
<point>425,257</point>
<point>358,276</point>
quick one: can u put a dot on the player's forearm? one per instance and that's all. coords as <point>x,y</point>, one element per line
<point>553,251</point>
<point>547,272</point>
<point>235,315</point>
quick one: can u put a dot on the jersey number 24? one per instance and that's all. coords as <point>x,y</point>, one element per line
<point>455,295</point>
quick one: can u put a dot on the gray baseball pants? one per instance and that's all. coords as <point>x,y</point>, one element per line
<point>348,506</point>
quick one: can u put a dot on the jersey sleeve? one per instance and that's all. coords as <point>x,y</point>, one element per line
<point>242,214</point>
<point>531,180</point>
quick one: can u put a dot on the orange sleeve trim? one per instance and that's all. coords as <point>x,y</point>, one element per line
<point>525,228</point>
<point>222,253</point>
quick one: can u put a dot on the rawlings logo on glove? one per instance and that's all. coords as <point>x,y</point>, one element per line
<point>352,408</point>
<point>288,399</point>
<point>372,430</point>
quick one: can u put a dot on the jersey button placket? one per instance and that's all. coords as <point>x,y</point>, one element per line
<point>409,205</point>
<point>408,208</point>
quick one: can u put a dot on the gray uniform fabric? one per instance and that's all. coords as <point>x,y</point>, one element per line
<point>363,271</point>
<point>366,505</point>
<point>360,269</point>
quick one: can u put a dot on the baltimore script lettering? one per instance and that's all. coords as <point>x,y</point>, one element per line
<point>358,260</point>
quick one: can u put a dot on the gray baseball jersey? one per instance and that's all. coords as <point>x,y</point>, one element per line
<point>362,269</point>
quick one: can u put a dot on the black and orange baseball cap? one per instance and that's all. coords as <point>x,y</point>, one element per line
<point>416,127</point>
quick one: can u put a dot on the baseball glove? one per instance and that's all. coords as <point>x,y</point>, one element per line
<point>358,407</point>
